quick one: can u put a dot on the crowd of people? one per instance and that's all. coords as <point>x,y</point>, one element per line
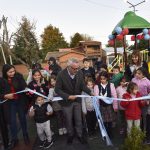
<point>72,112</point>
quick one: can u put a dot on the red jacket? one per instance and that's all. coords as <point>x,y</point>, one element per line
<point>133,108</point>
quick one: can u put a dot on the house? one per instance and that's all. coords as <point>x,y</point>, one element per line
<point>88,49</point>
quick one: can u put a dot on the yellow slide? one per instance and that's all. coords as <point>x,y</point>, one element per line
<point>149,66</point>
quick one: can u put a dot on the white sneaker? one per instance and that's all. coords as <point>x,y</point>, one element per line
<point>64,130</point>
<point>52,132</point>
<point>61,131</point>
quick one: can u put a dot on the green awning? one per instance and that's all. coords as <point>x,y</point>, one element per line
<point>134,23</point>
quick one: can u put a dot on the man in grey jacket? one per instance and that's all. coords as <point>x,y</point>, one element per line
<point>70,82</point>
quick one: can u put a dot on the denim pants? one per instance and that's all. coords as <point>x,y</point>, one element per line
<point>16,108</point>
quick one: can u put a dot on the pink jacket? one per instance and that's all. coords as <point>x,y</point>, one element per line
<point>143,85</point>
<point>113,94</point>
<point>120,91</point>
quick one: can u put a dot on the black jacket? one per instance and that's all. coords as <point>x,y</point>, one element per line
<point>19,85</point>
<point>129,75</point>
<point>43,89</point>
<point>90,72</point>
<point>55,68</point>
<point>2,88</point>
<point>40,113</point>
<point>64,87</point>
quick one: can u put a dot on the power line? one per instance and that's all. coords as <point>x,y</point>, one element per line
<point>108,6</point>
<point>103,5</point>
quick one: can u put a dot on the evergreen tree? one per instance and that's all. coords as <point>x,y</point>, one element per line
<point>77,37</point>
<point>52,39</point>
<point>26,46</point>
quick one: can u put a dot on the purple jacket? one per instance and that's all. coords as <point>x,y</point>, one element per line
<point>143,85</point>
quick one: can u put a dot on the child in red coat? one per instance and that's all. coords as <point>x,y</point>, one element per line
<point>132,108</point>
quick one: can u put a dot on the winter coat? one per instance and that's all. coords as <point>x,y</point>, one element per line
<point>143,85</point>
<point>132,108</point>
<point>43,88</point>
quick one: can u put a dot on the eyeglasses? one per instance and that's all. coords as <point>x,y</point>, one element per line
<point>75,69</point>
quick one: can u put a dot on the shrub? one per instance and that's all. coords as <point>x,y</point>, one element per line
<point>134,140</point>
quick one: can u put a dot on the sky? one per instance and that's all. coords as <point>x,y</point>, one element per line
<point>96,18</point>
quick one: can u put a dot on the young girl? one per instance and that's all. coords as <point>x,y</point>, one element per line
<point>88,108</point>
<point>57,108</point>
<point>105,88</point>
<point>38,66</point>
<point>41,112</point>
<point>132,108</point>
<point>144,88</point>
<point>120,91</point>
<point>38,83</point>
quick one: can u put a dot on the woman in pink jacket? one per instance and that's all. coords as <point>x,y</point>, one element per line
<point>107,89</point>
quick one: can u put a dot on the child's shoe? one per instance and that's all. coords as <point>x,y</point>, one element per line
<point>48,144</point>
<point>41,144</point>
<point>61,131</point>
<point>64,130</point>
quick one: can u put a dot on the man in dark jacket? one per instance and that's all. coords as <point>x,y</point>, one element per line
<point>70,82</point>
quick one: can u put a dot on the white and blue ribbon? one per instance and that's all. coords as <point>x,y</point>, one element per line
<point>95,100</point>
<point>100,121</point>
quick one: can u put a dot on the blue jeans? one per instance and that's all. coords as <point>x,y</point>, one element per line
<point>15,107</point>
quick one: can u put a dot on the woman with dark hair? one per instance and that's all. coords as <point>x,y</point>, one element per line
<point>17,102</point>
<point>134,65</point>
<point>3,123</point>
<point>54,68</point>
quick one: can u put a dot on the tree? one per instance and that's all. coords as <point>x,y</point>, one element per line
<point>26,46</point>
<point>77,37</point>
<point>6,40</point>
<point>52,39</point>
<point>86,37</point>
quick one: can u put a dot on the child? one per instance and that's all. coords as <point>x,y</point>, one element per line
<point>88,108</point>
<point>57,107</point>
<point>144,88</point>
<point>88,70</point>
<point>108,90</point>
<point>132,108</point>
<point>41,112</point>
<point>120,91</point>
<point>38,84</point>
<point>117,76</point>
<point>38,66</point>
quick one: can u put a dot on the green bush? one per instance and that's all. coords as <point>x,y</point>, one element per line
<point>134,140</point>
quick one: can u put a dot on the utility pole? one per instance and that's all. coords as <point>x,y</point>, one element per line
<point>134,5</point>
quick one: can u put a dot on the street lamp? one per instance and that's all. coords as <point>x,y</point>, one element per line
<point>134,5</point>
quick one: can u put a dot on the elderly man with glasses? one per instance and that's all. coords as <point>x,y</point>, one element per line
<point>70,82</point>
